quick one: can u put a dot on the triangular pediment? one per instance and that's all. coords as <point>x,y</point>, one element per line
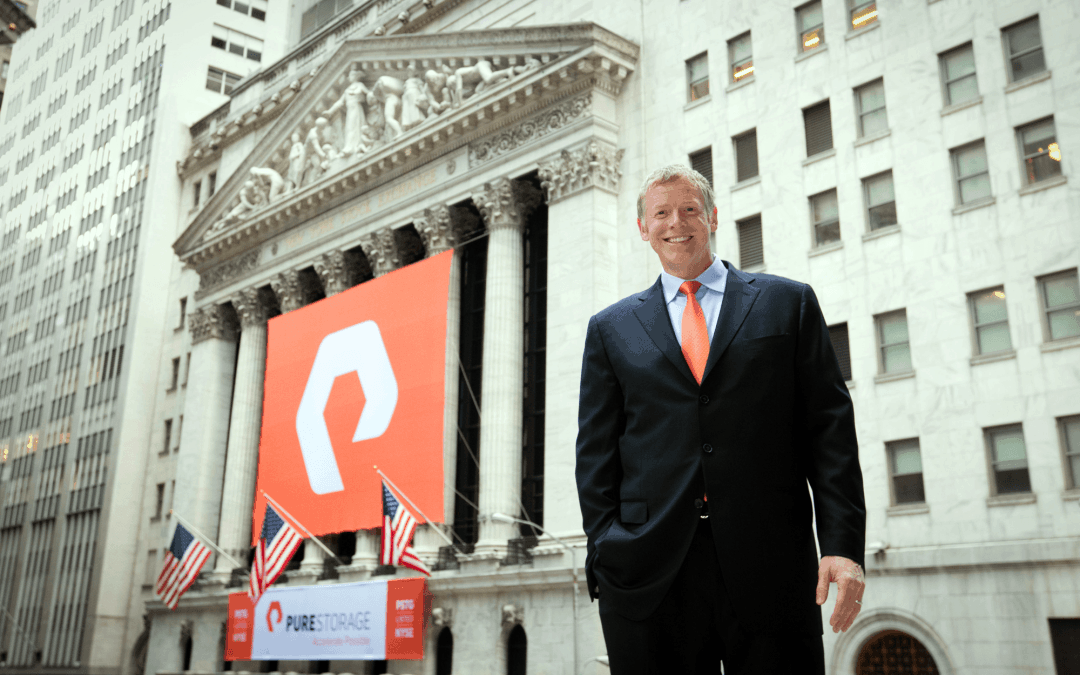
<point>393,103</point>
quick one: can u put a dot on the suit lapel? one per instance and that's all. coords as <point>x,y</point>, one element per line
<point>739,297</point>
<point>654,317</point>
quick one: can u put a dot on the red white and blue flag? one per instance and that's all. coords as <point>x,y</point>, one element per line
<point>277,543</point>
<point>183,560</point>
<point>397,532</point>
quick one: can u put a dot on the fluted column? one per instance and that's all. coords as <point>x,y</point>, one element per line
<point>504,204</point>
<point>241,464</point>
<point>201,461</point>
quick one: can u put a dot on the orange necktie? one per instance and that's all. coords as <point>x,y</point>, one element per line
<point>695,336</point>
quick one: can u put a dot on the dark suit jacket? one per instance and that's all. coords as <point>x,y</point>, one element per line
<point>772,413</point>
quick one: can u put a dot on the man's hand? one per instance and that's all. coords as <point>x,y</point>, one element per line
<point>850,583</point>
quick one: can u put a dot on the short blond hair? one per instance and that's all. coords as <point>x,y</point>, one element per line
<point>673,172</point>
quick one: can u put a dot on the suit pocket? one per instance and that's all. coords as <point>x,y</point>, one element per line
<point>634,513</point>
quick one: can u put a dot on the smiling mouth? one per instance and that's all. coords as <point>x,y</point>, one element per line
<point>677,240</point>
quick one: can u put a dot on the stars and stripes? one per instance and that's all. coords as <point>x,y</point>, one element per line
<point>183,560</point>
<point>397,532</point>
<point>277,543</point>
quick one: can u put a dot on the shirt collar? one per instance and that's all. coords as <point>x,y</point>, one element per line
<point>714,278</point>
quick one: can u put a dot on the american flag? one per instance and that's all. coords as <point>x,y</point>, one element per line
<point>183,560</point>
<point>277,543</point>
<point>397,532</point>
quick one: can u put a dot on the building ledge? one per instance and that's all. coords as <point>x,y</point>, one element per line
<point>827,248</point>
<point>1058,345</point>
<point>1044,185</point>
<point>1070,495</point>
<point>881,232</point>
<point>1012,499</point>
<point>867,140</point>
<point>907,509</point>
<point>971,206</point>
<point>740,84</point>
<point>746,183</point>
<point>825,154</point>
<point>700,102</point>
<point>892,377</point>
<point>802,56</point>
<point>955,107</point>
<point>993,357</point>
<point>1028,81</point>
<point>862,31</point>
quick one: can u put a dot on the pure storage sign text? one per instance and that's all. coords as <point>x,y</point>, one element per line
<point>352,381</point>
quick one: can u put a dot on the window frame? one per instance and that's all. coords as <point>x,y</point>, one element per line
<point>861,4</point>
<point>225,75</point>
<point>167,445</point>
<point>739,225</point>
<point>733,65</point>
<point>735,151</point>
<point>706,151</point>
<point>989,434</point>
<point>943,70</point>
<point>175,376</point>
<point>891,448</point>
<point>957,178</point>
<point>801,34</point>
<point>866,200</point>
<point>976,348</point>
<point>691,83</point>
<point>1044,310</point>
<point>814,225</point>
<point>806,136</point>
<point>197,193</point>
<point>881,346</point>
<point>861,114</point>
<point>1063,442</point>
<point>1051,147</point>
<point>1009,56</point>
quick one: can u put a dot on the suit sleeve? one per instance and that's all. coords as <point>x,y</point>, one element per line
<point>827,423</point>
<point>601,421</point>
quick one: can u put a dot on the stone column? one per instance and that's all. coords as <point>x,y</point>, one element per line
<point>333,272</point>
<point>201,461</point>
<point>241,464</point>
<point>504,204</point>
<point>581,184</point>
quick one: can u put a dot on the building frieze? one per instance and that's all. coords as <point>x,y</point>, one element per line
<point>221,275</point>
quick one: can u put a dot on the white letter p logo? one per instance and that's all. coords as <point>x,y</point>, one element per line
<point>357,348</point>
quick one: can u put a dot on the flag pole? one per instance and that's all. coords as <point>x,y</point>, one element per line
<point>204,539</point>
<point>288,515</point>
<point>406,498</point>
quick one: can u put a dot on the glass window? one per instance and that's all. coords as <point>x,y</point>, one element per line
<point>811,23</point>
<point>198,190</point>
<point>4,69</point>
<point>905,467</point>
<point>741,57</point>
<point>1039,150</point>
<point>958,75</point>
<point>862,13</point>
<point>241,7</point>
<point>211,183</point>
<point>990,321</point>
<point>224,3</point>
<point>230,82</point>
<point>838,335</point>
<point>826,217</point>
<point>894,348</point>
<point>746,160</point>
<point>1023,49</point>
<point>880,203</point>
<point>1008,459</point>
<point>1061,303</point>
<point>871,105</point>
<point>1069,431</point>
<point>817,122</point>
<point>214,78</point>
<point>750,248</point>
<point>701,161</point>
<point>697,76</point>
<point>972,173</point>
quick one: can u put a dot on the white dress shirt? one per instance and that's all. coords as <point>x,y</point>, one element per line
<point>710,296</point>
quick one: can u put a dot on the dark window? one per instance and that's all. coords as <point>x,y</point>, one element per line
<point>217,42</point>
<point>198,192</point>
<point>175,373</point>
<point>905,468</point>
<point>160,502</point>
<point>701,161</point>
<point>891,652</point>
<point>168,437</point>
<point>1065,640</point>
<point>1023,49</point>
<point>516,645</point>
<point>211,184</point>
<point>183,312</point>
<point>444,652</point>
<point>750,249</point>
<point>746,162</point>
<point>818,122</point>
<point>535,243</point>
<point>467,478</point>
<point>838,335</point>
<point>1008,459</point>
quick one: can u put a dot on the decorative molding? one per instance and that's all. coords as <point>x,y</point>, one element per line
<point>436,229</point>
<point>506,203</point>
<point>380,248</point>
<point>288,289</point>
<point>530,130</point>
<point>595,164</point>
<point>218,276</point>
<point>249,307</point>
<point>334,272</point>
<point>211,321</point>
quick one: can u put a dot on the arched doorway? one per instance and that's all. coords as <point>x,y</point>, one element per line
<point>515,651</point>
<point>893,652</point>
<point>444,652</point>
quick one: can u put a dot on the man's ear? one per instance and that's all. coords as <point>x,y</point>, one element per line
<point>641,229</point>
<point>713,220</point>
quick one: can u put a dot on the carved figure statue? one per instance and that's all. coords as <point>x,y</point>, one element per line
<point>249,200</point>
<point>316,156</point>
<point>277,183</point>
<point>387,91</point>
<point>479,77</point>
<point>437,91</point>
<point>352,100</point>
<point>414,102</point>
<point>297,160</point>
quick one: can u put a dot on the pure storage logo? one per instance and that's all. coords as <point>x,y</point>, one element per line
<point>355,380</point>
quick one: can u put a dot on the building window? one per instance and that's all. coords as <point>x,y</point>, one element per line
<point>1069,432</point>
<point>751,252</point>
<point>1039,150</point>
<point>1023,49</point>
<point>746,163</point>
<point>870,101</point>
<point>971,173</point>
<point>862,13</point>
<point>183,313</point>
<point>701,161</point>
<point>817,120</point>
<point>211,184</point>
<point>198,192</point>
<point>958,74</point>
<point>880,202</point>
<point>838,335</point>
<point>811,23</point>
<point>1064,638</point>
<point>4,69</point>
<point>320,14</point>
<point>905,467</point>
<point>159,504</point>
<point>697,76</point>
<point>179,430</point>
<point>220,81</point>
<point>894,351</point>
<point>741,57</point>
<point>168,437</point>
<point>175,374</point>
<point>826,218</point>
<point>256,8</point>
<point>1060,296</point>
<point>990,320</point>
<point>236,43</point>
<point>187,369</point>
<point>1008,459</point>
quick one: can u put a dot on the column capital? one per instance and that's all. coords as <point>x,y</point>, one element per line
<point>506,203</point>
<point>249,308</point>
<point>593,164</point>
<point>211,321</point>
<point>288,289</point>
<point>381,250</point>
<point>436,229</point>
<point>334,272</point>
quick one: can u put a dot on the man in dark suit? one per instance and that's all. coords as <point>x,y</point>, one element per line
<point>708,402</point>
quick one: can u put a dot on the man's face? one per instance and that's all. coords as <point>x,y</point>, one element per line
<point>677,227</point>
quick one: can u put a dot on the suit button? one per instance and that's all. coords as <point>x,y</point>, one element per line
<point>698,503</point>
<point>707,448</point>
<point>703,399</point>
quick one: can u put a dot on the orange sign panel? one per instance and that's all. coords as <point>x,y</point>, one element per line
<point>353,381</point>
